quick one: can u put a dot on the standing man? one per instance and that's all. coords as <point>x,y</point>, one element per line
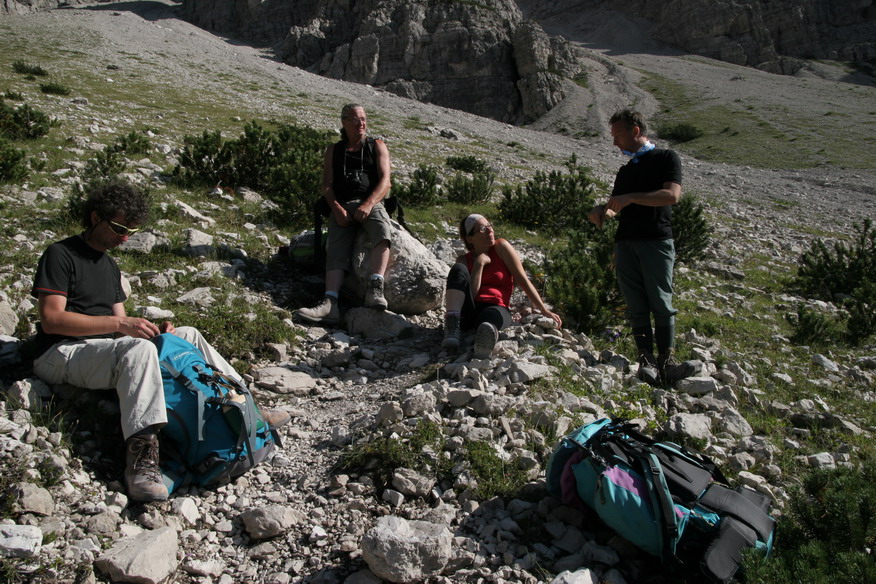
<point>644,191</point>
<point>85,339</point>
<point>355,180</point>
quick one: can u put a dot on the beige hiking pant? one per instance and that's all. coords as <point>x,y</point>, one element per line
<point>127,364</point>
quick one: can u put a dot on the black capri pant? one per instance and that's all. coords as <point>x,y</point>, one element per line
<point>474,313</point>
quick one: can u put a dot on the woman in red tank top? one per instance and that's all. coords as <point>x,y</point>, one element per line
<point>479,287</point>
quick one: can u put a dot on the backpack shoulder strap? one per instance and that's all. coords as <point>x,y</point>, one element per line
<point>662,503</point>
<point>187,383</point>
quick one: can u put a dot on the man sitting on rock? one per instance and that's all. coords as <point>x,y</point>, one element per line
<point>85,339</point>
<point>355,180</point>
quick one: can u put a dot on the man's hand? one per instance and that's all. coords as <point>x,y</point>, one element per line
<point>599,214</point>
<point>167,327</point>
<point>342,218</point>
<point>616,203</point>
<point>139,328</point>
<point>363,211</point>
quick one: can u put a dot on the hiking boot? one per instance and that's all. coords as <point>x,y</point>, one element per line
<point>142,474</point>
<point>485,340</point>
<point>648,370</point>
<point>451,333</point>
<point>671,370</point>
<point>275,418</point>
<point>326,311</point>
<point>374,295</point>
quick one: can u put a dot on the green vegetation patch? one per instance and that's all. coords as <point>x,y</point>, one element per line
<point>743,135</point>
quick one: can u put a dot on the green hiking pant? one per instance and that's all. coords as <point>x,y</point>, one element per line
<point>644,275</point>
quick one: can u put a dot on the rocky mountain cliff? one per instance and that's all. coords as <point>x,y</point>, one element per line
<point>481,57</point>
<point>775,35</point>
<point>492,57</point>
<point>489,59</point>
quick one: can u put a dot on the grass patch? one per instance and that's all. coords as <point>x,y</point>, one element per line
<point>381,456</point>
<point>743,135</point>
<point>495,476</point>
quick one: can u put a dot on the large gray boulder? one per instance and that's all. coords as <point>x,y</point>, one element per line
<point>405,551</point>
<point>147,558</point>
<point>415,279</point>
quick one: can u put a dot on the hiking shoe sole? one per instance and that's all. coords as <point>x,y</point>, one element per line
<point>485,340</point>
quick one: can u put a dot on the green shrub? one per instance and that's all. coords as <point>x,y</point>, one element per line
<point>295,181</point>
<point>12,164</point>
<point>285,166</point>
<point>55,88</point>
<point>814,328</point>
<point>106,165</point>
<point>846,274</point>
<point>827,533</point>
<point>422,191</point>
<point>14,95</point>
<point>471,191</point>
<point>203,161</point>
<point>582,282</point>
<point>24,122</point>
<point>690,230</point>
<point>826,273</point>
<point>861,323</point>
<point>23,68</point>
<point>552,202</point>
<point>468,164</point>
<point>132,143</point>
<point>678,133</point>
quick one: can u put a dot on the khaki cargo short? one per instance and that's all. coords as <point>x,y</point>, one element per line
<point>339,246</point>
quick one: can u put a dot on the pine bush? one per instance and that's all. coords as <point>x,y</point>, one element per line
<point>132,143</point>
<point>682,132</point>
<point>553,202</point>
<point>581,282</point>
<point>471,191</point>
<point>55,88</point>
<point>203,161</point>
<point>23,68</point>
<point>470,164</point>
<point>844,273</point>
<point>13,167</point>
<point>826,272</point>
<point>690,230</point>
<point>861,323</point>
<point>827,534</point>
<point>284,165</point>
<point>295,177</point>
<point>422,190</point>
<point>24,122</point>
<point>814,328</point>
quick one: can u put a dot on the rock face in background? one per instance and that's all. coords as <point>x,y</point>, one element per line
<point>770,35</point>
<point>25,6</point>
<point>477,57</point>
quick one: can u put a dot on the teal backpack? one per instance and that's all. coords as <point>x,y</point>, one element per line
<point>214,429</point>
<point>667,500</point>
